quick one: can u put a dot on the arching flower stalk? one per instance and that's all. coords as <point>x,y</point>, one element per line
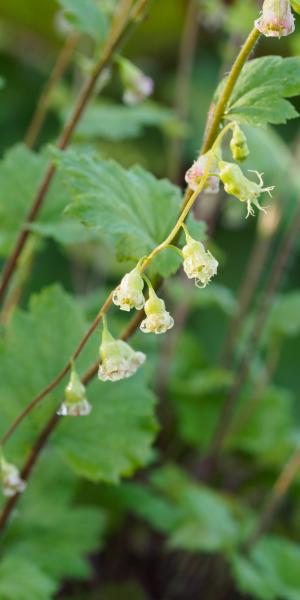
<point>199,263</point>
<point>158,320</point>
<point>75,403</point>
<point>118,359</point>
<point>236,184</point>
<point>12,483</point>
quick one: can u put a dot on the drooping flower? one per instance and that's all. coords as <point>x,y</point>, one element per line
<point>137,86</point>
<point>118,359</point>
<point>236,184</point>
<point>129,294</point>
<point>75,403</point>
<point>195,173</point>
<point>238,144</point>
<point>276,18</point>
<point>158,320</point>
<point>12,483</point>
<point>199,263</point>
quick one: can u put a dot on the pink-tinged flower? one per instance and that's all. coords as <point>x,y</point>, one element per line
<point>276,19</point>
<point>194,175</point>
<point>137,86</point>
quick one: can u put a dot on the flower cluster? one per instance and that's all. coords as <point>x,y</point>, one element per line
<point>12,483</point>
<point>75,403</point>
<point>137,86</point>
<point>276,19</point>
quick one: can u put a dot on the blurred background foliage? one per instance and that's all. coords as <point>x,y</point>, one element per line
<point>164,534</point>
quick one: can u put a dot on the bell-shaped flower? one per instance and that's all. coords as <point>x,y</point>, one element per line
<point>137,86</point>
<point>158,320</point>
<point>129,294</point>
<point>236,184</point>
<point>12,483</point>
<point>238,144</point>
<point>75,403</point>
<point>198,263</point>
<point>276,18</point>
<point>194,175</point>
<point>117,359</point>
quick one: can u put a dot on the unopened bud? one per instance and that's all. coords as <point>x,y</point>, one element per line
<point>238,145</point>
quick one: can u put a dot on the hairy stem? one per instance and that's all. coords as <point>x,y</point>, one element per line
<point>51,425</point>
<point>58,71</point>
<point>262,312</point>
<point>183,83</point>
<point>124,18</point>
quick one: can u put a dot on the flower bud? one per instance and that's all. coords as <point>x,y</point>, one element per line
<point>158,320</point>
<point>75,403</point>
<point>129,294</point>
<point>137,86</point>
<point>236,184</point>
<point>118,359</point>
<point>198,264</point>
<point>12,483</point>
<point>296,6</point>
<point>276,18</point>
<point>238,145</point>
<point>195,173</point>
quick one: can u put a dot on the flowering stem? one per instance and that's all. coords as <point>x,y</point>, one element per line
<point>58,71</point>
<point>51,425</point>
<point>127,14</point>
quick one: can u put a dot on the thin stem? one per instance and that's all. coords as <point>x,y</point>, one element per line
<point>124,18</point>
<point>280,490</point>
<point>58,71</point>
<point>183,83</point>
<point>217,112</point>
<point>51,425</point>
<point>60,376</point>
<point>262,312</point>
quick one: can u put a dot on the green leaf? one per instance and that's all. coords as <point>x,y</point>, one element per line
<point>86,17</point>
<point>19,578</point>
<point>259,95</point>
<point>130,208</point>
<point>21,172</point>
<point>271,572</point>
<point>214,295</point>
<point>116,438</point>
<point>284,318</point>
<point>117,122</point>
<point>52,532</point>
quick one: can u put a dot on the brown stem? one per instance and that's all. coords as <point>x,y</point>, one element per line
<point>58,71</point>
<point>183,83</point>
<point>262,312</point>
<point>120,26</point>
<point>52,423</point>
<point>280,489</point>
<point>60,376</point>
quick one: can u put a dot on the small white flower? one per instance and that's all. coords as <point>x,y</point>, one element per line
<point>118,359</point>
<point>276,19</point>
<point>158,320</point>
<point>12,483</point>
<point>137,86</point>
<point>198,264</point>
<point>129,294</point>
<point>75,403</point>
<point>195,173</point>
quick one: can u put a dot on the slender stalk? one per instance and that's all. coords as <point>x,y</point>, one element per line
<point>280,490</point>
<point>54,383</point>
<point>183,83</point>
<point>58,71</point>
<point>51,425</point>
<point>262,312</point>
<point>124,18</point>
<point>217,112</point>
